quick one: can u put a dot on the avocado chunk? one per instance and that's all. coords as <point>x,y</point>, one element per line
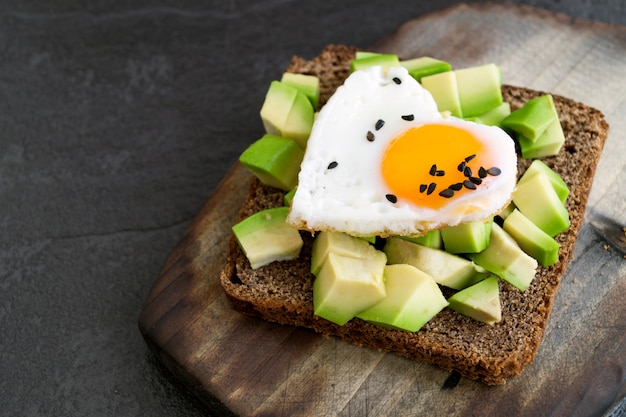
<point>275,160</point>
<point>494,116</point>
<point>384,60</point>
<point>531,238</point>
<point>556,180</point>
<point>431,239</point>
<point>507,211</point>
<point>443,87</point>
<point>481,301</point>
<point>413,298</point>
<point>445,268</point>
<point>470,237</point>
<point>479,89</point>
<point>506,259</point>
<point>424,66</point>
<point>548,144</point>
<point>346,286</point>
<point>340,243</point>
<point>533,118</point>
<point>264,237</point>
<point>287,112</point>
<point>288,197</point>
<point>537,200</point>
<point>365,54</point>
<point>309,85</point>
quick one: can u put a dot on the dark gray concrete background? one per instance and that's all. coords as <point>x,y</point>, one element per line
<point>117,120</point>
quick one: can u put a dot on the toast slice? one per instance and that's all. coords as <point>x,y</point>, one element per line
<point>282,291</point>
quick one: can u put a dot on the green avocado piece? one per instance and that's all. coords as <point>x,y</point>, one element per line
<point>425,66</point>
<point>340,243</point>
<point>346,286</point>
<point>479,89</point>
<point>533,118</point>
<point>384,60</point>
<point>507,211</point>
<point>470,237</point>
<point>288,198</point>
<point>481,301</point>
<point>531,238</point>
<point>287,112</point>
<point>494,116</point>
<point>538,201</point>
<point>548,144</point>
<point>556,180</point>
<point>309,85</point>
<point>275,160</point>
<point>431,239</point>
<point>365,54</point>
<point>506,259</point>
<point>264,237</point>
<point>445,268</point>
<point>413,298</point>
<point>443,87</point>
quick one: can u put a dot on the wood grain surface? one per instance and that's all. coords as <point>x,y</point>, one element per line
<point>244,366</point>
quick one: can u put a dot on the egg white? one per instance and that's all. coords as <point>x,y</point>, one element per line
<point>340,186</point>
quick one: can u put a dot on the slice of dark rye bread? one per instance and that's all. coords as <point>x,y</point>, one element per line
<point>282,291</point>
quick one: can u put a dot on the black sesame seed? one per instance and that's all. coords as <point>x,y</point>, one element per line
<point>461,166</point>
<point>495,171</point>
<point>447,193</point>
<point>408,117</point>
<point>433,170</point>
<point>482,172</point>
<point>392,198</point>
<point>423,188</point>
<point>440,173</point>
<point>469,185</point>
<point>370,136</point>
<point>469,158</point>
<point>476,180</point>
<point>379,124</point>
<point>333,165</point>
<point>431,188</point>
<point>397,80</point>
<point>467,171</point>
<point>457,186</point>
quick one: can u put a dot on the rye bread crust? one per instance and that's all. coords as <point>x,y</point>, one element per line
<point>282,291</point>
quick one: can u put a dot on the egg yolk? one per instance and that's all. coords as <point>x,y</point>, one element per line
<point>430,165</point>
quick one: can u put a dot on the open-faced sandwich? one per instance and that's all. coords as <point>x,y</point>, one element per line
<point>414,208</point>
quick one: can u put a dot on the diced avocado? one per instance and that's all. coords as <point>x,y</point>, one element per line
<point>481,301</point>
<point>479,89</point>
<point>288,198</point>
<point>548,144</point>
<point>507,211</point>
<point>470,237</point>
<point>533,118</point>
<point>506,259</point>
<point>264,237</point>
<point>538,201</point>
<point>425,66</point>
<point>413,298</point>
<point>346,286</point>
<point>339,243</point>
<point>431,239</point>
<point>494,116</point>
<point>443,87</point>
<point>384,60</point>
<point>309,85</point>
<point>287,112</point>
<point>275,160</point>
<point>555,179</point>
<point>531,238</point>
<point>445,268</point>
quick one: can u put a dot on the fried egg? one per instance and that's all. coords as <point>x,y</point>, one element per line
<point>382,160</point>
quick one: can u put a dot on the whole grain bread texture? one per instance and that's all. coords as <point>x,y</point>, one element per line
<point>282,291</point>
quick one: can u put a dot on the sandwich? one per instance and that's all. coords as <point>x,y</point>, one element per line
<point>486,324</point>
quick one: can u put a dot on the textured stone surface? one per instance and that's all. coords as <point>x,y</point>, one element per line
<point>117,120</point>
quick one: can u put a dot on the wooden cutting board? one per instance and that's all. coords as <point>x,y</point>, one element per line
<point>248,367</point>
